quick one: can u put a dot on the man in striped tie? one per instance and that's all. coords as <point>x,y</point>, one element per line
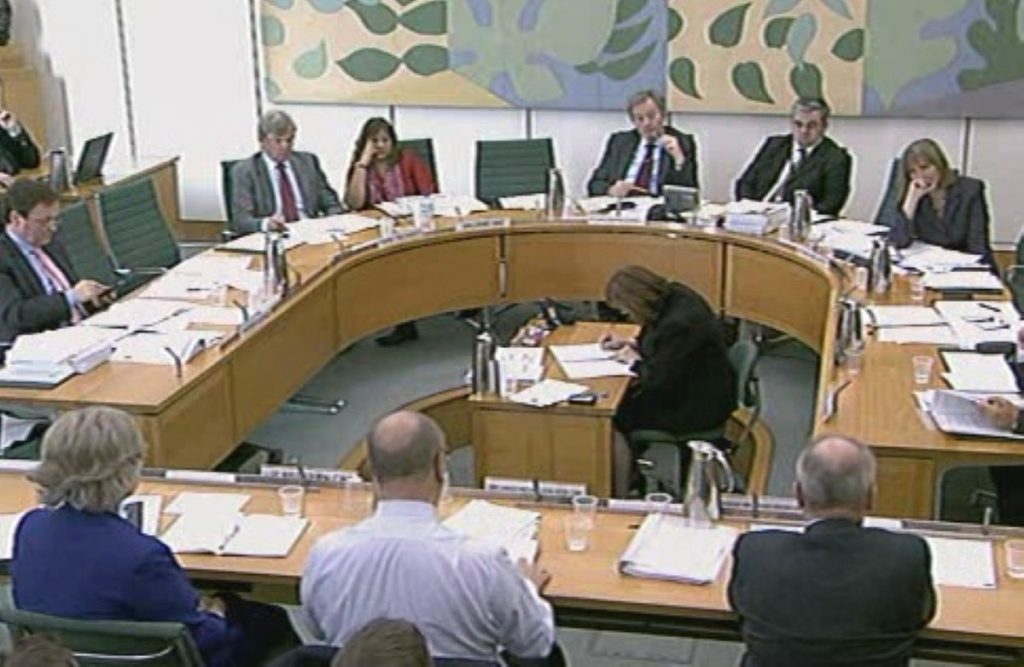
<point>38,286</point>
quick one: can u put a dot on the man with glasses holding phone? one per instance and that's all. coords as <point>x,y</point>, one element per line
<point>39,289</point>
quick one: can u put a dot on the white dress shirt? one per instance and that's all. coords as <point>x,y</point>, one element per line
<point>467,598</point>
<point>796,158</point>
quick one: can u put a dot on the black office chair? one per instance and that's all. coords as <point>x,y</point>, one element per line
<point>424,150</point>
<point>891,192</point>
<point>1014,276</point>
<point>226,192</point>
<point>139,236</point>
<point>514,167</point>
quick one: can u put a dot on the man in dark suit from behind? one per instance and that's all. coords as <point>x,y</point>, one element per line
<point>804,159</point>
<point>836,593</point>
<point>640,161</point>
<point>39,289</point>
<point>17,149</point>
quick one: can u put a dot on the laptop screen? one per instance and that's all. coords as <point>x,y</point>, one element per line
<point>94,154</point>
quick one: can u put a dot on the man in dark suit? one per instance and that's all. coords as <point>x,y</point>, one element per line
<point>17,150</point>
<point>836,593</point>
<point>640,161</point>
<point>278,185</point>
<point>805,159</point>
<point>38,286</point>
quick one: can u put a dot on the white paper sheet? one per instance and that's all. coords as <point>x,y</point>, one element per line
<point>585,352</point>
<point>254,244</point>
<point>960,413</point>
<point>667,547</point>
<point>535,202</point>
<point>970,371</point>
<point>160,348</point>
<point>959,562</point>
<point>846,226</point>
<point>547,392</point>
<point>904,316</point>
<point>208,503</point>
<point>962,280</point>
<point>520,363</point>
<point>137,313</point>
<point>8,524</point>
<point>511,528</point>
<point>941,335</point>
<point>582,370</point>
<point>265,536</point>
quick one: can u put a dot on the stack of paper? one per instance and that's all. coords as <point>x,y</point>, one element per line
<point>137,313</point>
<point>972,281</point>
<point>48,358</point>
<point>588,361</point>
<point>970,371</point>
<point>974,322</point>
<point>255,244</point>
<point>966,563</point>
<point>524,202</point>
<point>667,547</point>
<point>904,316</point>
<point>755,217</point>
<point>513,529</point>
<point>162,349</point>
<point>851,227</point>
<point>520,363</point>
<point>332,229</point>
<point>547,392</point>
<point>938,335</point>
<point>960,414</point>
<point>926,258</point>
<point>8,525</point>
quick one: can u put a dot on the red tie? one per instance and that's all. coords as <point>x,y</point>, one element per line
<point>58,281</point>
<point>643,175</point>
<point>289,209</point>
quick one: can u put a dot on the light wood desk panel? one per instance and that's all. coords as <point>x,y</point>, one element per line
<point>575,262</point>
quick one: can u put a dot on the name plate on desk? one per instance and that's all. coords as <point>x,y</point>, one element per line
<point>612,219</point>
<point>331,475</point>
<point>400,236</point>
<point>561,489</point>
<point>483,223</point>
<point>362,245</point>
<point>202,476</point>
<point>525,487</point>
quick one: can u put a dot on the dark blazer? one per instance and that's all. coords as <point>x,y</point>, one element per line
<point>684,380</point>
<point>825,174</point>
<point>964,224</point>
<point>837,594</point>
<point>618,155</point>
<point>17,153</point>
<point>252,193</point>
<point>25,307</point>
<point>109,570</point>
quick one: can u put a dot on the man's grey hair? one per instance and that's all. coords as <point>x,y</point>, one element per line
<point>812,105</point>
<point>91,460</point>
<point>275,123</point>
<point>642,96</point>
<point>404,444</point>
<point>830,481</point>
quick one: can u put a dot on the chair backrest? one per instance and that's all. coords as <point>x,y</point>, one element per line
<point>138,234</point>
<point>891,186</point>
<point>88,257</point>
<point>509,168</point>
<point>743,357</point>
<point>424,150</point>
<point>1015,276</point>
<point>226,191</point>
<point>111,642</point>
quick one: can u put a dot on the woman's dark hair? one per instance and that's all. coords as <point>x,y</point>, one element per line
<point>370,129</point>
<point>638,291</point>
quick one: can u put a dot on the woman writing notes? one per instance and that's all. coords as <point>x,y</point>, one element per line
<point>684,382</point>
<point>380,171</point>
<point>936,205</point>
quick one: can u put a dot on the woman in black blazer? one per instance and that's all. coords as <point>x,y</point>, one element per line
<point>936,205</point>
<point>684,382</point>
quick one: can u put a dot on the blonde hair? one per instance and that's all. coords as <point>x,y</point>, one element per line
<point>91,460</point>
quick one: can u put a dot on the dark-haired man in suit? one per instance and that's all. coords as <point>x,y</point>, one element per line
<point>39,289</point>
<point>804,159</point>
<point>836,593</point>
<point>278,185</point>
<point>640,161</point>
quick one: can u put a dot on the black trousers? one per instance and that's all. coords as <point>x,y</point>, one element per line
<point>1009,483</point>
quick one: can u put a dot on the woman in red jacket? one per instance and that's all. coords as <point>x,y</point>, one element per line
<point>380,171</point>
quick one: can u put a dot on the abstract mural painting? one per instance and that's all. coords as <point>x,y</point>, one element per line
<point>867,57</point>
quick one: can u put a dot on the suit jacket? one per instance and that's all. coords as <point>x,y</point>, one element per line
<point>963,226</point>
<point>684,381</point>
<point>836,594</point>
<point>17,153</point>
<point>618,155</point>
<point>25,307</point>
<point>252,193</point>
<point>109,570</point>
<point>825,173</point>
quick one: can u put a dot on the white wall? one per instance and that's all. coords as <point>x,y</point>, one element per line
<point>192,80</point>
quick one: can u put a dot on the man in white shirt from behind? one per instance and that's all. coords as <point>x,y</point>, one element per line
<point>468,599</point>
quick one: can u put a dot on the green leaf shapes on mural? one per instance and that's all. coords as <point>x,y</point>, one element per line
<point>727,28</point>
<point>272,89</point>
<point>426,59</point>
<point>378,19</point>
<point>282,4</point>
<point>675,23</point>
<point>326,6</point>
<point>627,9</point>
<point>406,2</point>
<point>1020,20</point>
<point>273,30</point>
<point>776,31</point>
<point>588,68</point>
<point>897,53</point>
<point>800,37</point>
<point>1002,47</point>
<point>748,79</point>
<point>430,18</point>
<point>683,74</point>
<point>312,63</point>
<point>805,80</point>
<point>839,7</point>
<point>369,65</point>
<point>623,39</point>
<point>623,68</point>
<point>850,45</point>
<point>776,7</point>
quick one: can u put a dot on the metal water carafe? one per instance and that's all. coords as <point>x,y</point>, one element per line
<point>58,164</point>
<point>275,264</point>
<point>485,373</point>
<point>709,476</point>
<point>800,216</point>
<point>555,202</point>
<point>880,267</point>
<point>850,335</point>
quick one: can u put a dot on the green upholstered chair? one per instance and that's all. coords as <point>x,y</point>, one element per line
<point>424,150</point>
<point>1015,276</point>
<point>139,236</point>
<point>78,236</point>
<point>515,167</point>
<point>226,193</point>
<point>109,642</point>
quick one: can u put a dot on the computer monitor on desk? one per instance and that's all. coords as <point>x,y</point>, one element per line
<point>94,155</point>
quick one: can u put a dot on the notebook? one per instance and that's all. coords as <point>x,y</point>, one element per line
<point>231,534</point>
